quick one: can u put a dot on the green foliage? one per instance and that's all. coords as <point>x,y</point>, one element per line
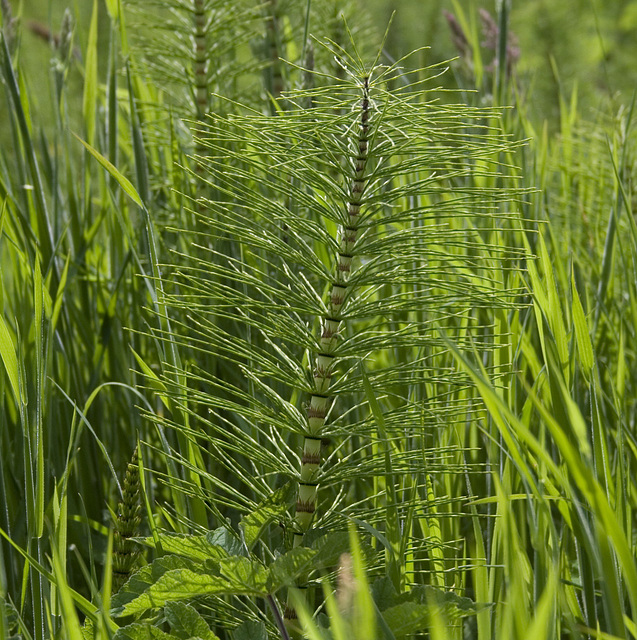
<point>376,354</point>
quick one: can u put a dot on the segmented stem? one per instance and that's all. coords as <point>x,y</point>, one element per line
<point>200,63</point>
<point>331,325</point>
<point>273,44</point>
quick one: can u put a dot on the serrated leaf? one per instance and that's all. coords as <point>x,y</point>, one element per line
<point>244,575</point>
<point>193,547</point>
<point>330,547</point>
<point>143,579</point>
<point>186,622</point>
<point>250,630</point>
<point>413,613</point>
<point>449,599</point>
<point>406,618</point>
<point>289,566</point>
<point>88,630</point>
<point>274,506</point>
<point>384,593</point>
<point>224,538</point>
<point>179,584</point>
<point>239,576</point>
<point>141,631</point>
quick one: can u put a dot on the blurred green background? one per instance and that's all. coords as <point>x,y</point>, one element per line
<point>587,44</point>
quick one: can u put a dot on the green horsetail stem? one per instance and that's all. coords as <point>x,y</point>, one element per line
<point>273,44</point>
<point>200,60</point>
<point>331,324</point>
<point>127,521</point>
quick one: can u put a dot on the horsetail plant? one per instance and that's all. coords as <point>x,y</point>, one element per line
<point>325,359</point>
<point>200,62</point>
<point>359,228</point>
<point>331,329</point>
<point>477,451</point>
<point>275,82</point>
<point>127,521</point>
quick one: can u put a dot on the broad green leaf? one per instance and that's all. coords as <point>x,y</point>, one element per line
<point>426,594</point>
<point>171,578</point>
<point>384,593</point>
<point>414,612</point>
<point>406,618</point>
<point>192,547</point>
<point>273,507</point>
<point>244,575</point>
<point>240,577</point>
<point>224,538</point>
<point>122,180</point>
<point>88,630</point>
<point>176,584</point>
<point>287,567</point>
<point>142,631</point>
<point>186,622</point>
<point>147,576</point>
<point>330,547</point>
<point>250,630</point>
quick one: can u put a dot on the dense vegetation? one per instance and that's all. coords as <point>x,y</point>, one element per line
<point>303,334</point>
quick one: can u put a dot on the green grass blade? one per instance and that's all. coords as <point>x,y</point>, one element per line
<point>89,101</point>
<point>122,180</point>
<point>10,360</point>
